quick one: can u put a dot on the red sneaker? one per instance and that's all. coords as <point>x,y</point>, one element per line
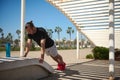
<point>63,66</point>
<point>59,67</point>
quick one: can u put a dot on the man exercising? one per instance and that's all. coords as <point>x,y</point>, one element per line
<point>40,36</point>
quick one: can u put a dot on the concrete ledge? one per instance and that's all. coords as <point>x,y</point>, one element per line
<point>23,69</point>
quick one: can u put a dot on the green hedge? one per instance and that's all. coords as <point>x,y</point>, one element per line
<point>90,56</point>
<point>100,53</point>
<point>2,49</point>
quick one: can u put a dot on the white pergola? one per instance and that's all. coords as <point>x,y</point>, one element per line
<point>98,20</point>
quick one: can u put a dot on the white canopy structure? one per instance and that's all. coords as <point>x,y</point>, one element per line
<point>91,17</point>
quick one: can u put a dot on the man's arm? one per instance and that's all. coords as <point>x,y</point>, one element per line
<point>27,49</point>
<point>42,42</point>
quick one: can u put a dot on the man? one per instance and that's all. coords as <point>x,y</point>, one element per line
<point>40,36</point>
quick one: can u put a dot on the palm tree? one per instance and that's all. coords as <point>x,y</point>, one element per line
<point>70,31</point>
<point>58,30</point>
<point>18,33</point>
<point>1,31</point>
<point>50,31</point>
<point>81,38</point>
<point>9,37</point>
<point>2,35</point>
<point>64,41</point>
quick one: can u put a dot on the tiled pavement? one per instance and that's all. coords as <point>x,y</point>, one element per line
<point>92,70</point>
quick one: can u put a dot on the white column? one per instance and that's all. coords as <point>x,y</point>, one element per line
<point>111,39</point>
<point>22,27</point>
<point>77,44</point>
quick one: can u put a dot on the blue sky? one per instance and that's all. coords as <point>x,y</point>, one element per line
<point>41,12</point>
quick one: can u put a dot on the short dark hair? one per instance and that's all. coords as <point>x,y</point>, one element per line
<point>30,24</point>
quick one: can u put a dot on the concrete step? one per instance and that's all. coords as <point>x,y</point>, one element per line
<point>23,69</point>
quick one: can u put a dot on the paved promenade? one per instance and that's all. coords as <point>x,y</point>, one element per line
<point>89,70</point>
<point>77,69</point>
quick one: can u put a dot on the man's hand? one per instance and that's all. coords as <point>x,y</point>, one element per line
<point>41,60</point>
<point>42,42</point>
<point>25,55</point>
<point>28,44</point>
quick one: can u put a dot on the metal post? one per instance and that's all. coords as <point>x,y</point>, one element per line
<point>22,27</point>
<point>8,47</point>
<point>77,45</point>
<point>111,39</point>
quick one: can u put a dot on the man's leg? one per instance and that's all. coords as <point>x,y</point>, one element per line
<point>57,57</point>
<point>59,60</point>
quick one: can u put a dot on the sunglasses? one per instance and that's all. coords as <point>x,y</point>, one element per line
<point>26,27</point>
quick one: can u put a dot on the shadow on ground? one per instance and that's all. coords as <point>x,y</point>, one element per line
<point>92,70</point>
<point>62,75</point>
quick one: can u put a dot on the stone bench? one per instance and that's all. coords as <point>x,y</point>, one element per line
<point>23,69</point>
